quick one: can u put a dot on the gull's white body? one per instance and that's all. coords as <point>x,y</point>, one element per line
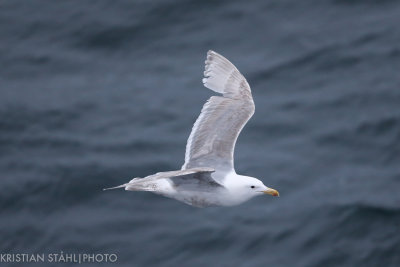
<point>208,177</point>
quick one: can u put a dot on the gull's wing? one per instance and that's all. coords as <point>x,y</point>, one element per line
<point>179,173</point>
<point>212,140</point>
<point>199,176</point>
<point>199,179</point>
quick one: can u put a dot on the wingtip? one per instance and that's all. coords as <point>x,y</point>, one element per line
<point>115,187</point>
<point>210,52</point>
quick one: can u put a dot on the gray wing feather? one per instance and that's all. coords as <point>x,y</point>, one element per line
<point>197,181</point>
<point>214,134</point>
<point>178,173</point>
<point>187,179</point>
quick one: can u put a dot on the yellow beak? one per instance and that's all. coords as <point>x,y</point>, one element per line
<point>271,192</point>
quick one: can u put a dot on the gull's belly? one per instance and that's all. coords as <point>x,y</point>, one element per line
<point>202,199</point>
<point>198,196</point>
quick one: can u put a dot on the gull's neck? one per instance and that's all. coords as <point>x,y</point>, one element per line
<point>233,181</point>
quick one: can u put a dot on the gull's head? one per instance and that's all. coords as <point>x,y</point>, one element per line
<point>251,187</point>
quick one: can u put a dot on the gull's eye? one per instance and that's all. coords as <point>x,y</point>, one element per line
<point>252,186</point>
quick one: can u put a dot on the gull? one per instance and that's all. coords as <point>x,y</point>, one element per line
<point>208,177</point>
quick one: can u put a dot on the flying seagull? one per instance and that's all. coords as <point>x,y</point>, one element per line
<point>208,177</point>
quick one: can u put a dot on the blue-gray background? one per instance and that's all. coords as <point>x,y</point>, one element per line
<point>94,93</point>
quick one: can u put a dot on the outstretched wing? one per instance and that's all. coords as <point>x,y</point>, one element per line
<point>178,173</point>
<point>212,140</point>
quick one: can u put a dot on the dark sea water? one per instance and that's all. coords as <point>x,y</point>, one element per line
<point>94,93</point>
